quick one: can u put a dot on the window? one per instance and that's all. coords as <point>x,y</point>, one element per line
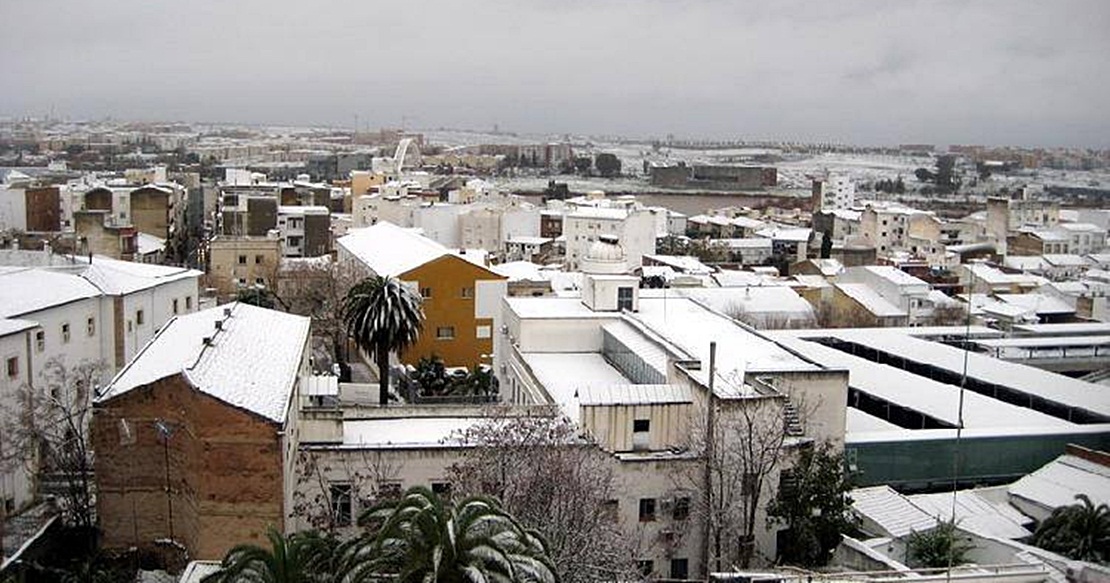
<point>13,367</point>
<point>645,567</point>
<point>175,305</point>
<point>624,298</point>
<point>445,333</point>
<point>681,508</point>
<point>483,332</point>
<point>680,568</point>
<point>441,489</point>
<point>389,490</point>
<point>90,326</point>
<point>610,510</point>
<point>258,260</point>
<point>188,303</point>
<point>139,319</point>
<point>466,293</point>
<point>242,260</point>
<point>426,293</point>
<point>65,332</point>
<point>259,281</point>
<point>647,509</point>
<point>40,341</point>
<point>641,425</point>
<point>340,495</point>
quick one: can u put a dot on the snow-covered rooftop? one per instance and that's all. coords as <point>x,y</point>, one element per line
<point>13,325</point>
<point>590,369</point>
<point>870,300</point>
<point>115,277</point>
<point>407,432</point>
<point>251,362</point>
<point>630,394</point>
<point>777,302</point>
<point>1056,483</point>
<point>890,512</point>
<point>1037,303</point>
<point>390,250</point>
<point>26,290</point>
<point>974,512</point>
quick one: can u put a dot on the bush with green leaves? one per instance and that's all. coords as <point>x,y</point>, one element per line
<point>939,547</point>
<point>1079,531</point>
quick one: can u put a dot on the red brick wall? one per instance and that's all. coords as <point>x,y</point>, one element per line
<point>225,471</point>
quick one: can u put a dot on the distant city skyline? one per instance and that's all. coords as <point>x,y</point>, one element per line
<point>855,71</point>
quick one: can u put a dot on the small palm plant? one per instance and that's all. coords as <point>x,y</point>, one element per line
<point>421,537</point>
<point>1079,531</point>
<point>303,557</point>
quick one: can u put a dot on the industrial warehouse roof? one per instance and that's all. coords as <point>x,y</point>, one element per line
<point>1032,381</point>
<point>252,361</point>
<point>390,250</point>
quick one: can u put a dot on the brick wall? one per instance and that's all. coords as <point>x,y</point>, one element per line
<point>224,470</point>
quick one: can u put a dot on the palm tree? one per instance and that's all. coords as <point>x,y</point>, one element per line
<point>421,537</point>
<point>303,557</point>
<point>383,316</point>
<point>1079,531</point>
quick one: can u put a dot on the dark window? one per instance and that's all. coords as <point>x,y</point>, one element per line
<point>258,260</point>
<point>441,489</point>
<point>13,366</point>
<point>680,568</point>
<point>175,305</point>
<point>641,425</point>
<point>139,318</point>
<point>65,332</point>
<point>40,341</point>
<point>389,490</point>
<point>466,292</point>
<point>242,260</point>
<point>624,298</point>
<point>645,567</point>
<point>340,503</point>
<point>445,333</point>
<point>188,303</point>
<point>426,292</point>
<point>681,508</point>
<point>610,510</point>
<point>90,326</point>
<point>647,509</point>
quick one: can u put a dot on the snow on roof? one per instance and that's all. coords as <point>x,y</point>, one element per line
<point>797,234</point>
<point>1045,341</point>
<point>1065,260</point>
<point>26,290</point>
<point>816,281</point>
<point>406,432</point>
<point>892,274</point>
<point>303,210</point>
<point>593,212</point>
<point>857,421</point>
<point>147,243</point>
<point>527,240</point>
<point>115,277</point>
<point>747,243</point>
<point>993,275</point>
<point>1066,329</point>
<point>776,300</point>
<point>1081,228</point>
<point>196,571</point>
<point>870,300</point>
<point>519,271</point>
<point>683,263</point>
<point>590,369</point>
<point>690,326</point>
<point>735,278</point>
<point>1038,303</point>
<point>554,308</point>
<point>630,394</point>
<point>655,350</point>
<point>252,362</point>
<point>975,513</point>
<point>1024,262</point>
<point>919,393</point>
<point>1033,381</point>
<point>13,325</point>
<point>1056,483</point>
<point>890,511</point>
<point>390,250</point>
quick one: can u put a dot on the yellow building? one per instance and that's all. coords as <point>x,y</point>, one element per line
<point>460,294</point>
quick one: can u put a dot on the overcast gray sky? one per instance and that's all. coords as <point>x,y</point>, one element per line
<point>893,71</point>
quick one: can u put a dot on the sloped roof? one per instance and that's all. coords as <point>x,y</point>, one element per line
<point>390,250</point>
<point>115,277</point>
<point>870,300</point>
<point>891,511</point>
<point>1056,483</point>
<point>252,362</point>
<point>26,290</point>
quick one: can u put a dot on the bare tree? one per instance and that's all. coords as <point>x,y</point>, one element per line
<point>316,288</point>
<point>322,477</point>
<point>742,444</point>
<point>46,429</point>
<point>555,481</point>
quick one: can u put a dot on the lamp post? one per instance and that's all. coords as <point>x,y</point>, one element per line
<point>165,430</point>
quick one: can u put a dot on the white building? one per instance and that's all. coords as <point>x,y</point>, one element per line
<point>834,192</point>
<point>911,295</point>
<point>635,228</point>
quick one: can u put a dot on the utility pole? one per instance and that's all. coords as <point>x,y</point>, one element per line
<point>710,439</point>
<point>166,431</point>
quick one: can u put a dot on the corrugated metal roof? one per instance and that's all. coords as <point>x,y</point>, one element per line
<point>634,395</point>
<point>891,511</point>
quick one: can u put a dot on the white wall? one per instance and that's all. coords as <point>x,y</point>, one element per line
<point>13,208</point>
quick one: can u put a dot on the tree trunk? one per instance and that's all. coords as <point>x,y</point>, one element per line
<point>383,375</point>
